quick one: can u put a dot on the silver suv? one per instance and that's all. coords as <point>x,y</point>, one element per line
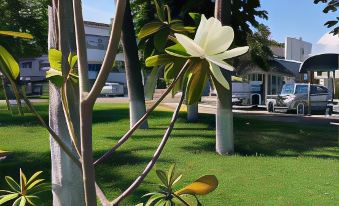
<point>294,97</point>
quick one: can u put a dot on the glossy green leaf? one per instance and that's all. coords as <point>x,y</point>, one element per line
<point>72,60</point>
<point>32,199</point>
<point>154,198</point>
<point>162,176</point>
<point>150,28</point>
<point>17,201</point>
<point>55,77</point>
<point>23,201</point>
<point>36,182</point>
<point>8,65</point>
<point>55,59</point>
<point>177,50</point>
<point>39,188</point>
<point>12,184</point>
<point>161,202</point>
<point>216,73</point>
<point>172,70</point>
<point>160,39</point>
<point>158,60</point>
<point>180,27</point>
<point>16,34</point>
<point>34,176</point>
<point>196,17</point>
<point>151,84</point>
<point>23,181</point>
<point>7,198</point>
<point>196,81</point>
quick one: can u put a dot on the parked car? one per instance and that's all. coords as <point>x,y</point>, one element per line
<point>112,89</point>
<point>294,97</point>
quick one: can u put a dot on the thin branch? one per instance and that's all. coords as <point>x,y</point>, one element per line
<point>66,149</point>
<point>81,46</point>
<point>104,201</point>
<point>70,126</point>
<point>156,156</point>
<point>110,53</point>
<point>142,119</point>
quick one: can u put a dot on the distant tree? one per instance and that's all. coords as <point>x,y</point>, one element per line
<point>25,16</point>
<point>332,6</point>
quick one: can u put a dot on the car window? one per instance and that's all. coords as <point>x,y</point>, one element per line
<point>301,89</point>
<point>321,90</point>
<point>287,89</point>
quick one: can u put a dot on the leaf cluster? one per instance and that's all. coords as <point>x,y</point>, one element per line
<point>332,6</point>
<point>24,192</point>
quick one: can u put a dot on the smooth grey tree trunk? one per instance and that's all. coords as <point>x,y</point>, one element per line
<point>67,184</point>
<point>135,87</point>
<point>224,115</point>
<point>192,112</point>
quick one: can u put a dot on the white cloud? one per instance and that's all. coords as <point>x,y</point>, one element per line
<point>326,44</point>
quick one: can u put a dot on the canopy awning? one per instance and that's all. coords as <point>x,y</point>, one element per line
<point>320,63</point>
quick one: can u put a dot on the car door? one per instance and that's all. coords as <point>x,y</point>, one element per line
<point>319,97</point>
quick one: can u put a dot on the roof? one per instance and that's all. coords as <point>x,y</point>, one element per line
<point>291,65</point>
<point>275,67</point>
<point>321,63</point>
<point>92,23</point>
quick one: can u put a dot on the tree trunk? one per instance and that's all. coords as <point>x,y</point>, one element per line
<point>133,70</point>
<point>224,115</point>
<point>67,184</point>
<point>192,112</point>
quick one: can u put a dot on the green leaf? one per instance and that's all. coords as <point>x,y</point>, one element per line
<point>7,198</point>
<point>8,65</point>
<point>23,181</point>
<point>151,83</point>
<point>150,28</point>
<point>72,60</point>
<point>17,201</point>
<point>160,39</point>
<point>161,202</point>
<point>34,176</point>
<point>154,198</point>
<point>35,183</point>
<point>12,183</point>
<point>170,174</point>
<point>181,28</point>
<point>55,59</point>
<point>177,50</point>
<point>160,11</point>
<point>55,77</point>
<point>196,81</point>
<point>216,73</point>
<point>23,201</point>
<point>16,34</point>
<point>172,70</point>
<point>158,60</point>
<point>31,199</point>
<point>39,188</point>
<point>196,18</point>
<point>162,176</point>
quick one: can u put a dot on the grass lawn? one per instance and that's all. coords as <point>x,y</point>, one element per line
<point>275,164</point>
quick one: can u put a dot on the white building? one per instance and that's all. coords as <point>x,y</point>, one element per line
<point>33,70</point>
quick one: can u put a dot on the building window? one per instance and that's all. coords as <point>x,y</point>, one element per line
<point>26,65</point>
<point>319,73</point>
<point>94,67</point>
<point>96,42</point>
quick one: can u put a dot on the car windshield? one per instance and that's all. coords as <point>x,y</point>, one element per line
<point>287,89</point>
<point>301,89</point>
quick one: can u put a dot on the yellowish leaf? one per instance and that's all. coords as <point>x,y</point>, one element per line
<point>201,186</point>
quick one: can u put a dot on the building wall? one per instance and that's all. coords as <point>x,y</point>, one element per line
<point>297,49</point>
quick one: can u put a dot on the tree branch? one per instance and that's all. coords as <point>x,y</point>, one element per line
<point>156,156</point>
<point>143,118</point>
<point>110,53</point>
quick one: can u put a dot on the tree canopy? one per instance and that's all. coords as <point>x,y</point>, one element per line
<point>332,6</point>
<point>28,16</point>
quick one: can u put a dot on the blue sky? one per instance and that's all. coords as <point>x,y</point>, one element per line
<point>294,18</point>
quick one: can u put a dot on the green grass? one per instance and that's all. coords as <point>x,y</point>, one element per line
<point>275,164</point>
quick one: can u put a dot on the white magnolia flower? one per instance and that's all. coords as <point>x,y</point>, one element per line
<point>211,43</point>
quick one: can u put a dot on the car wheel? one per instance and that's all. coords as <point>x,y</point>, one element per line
<point>270,107</point>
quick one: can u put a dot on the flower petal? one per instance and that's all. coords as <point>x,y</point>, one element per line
<point>215,70</point>
<point>219,40</point>
<point>232,53</point>
<point>190,46</point>
<point>219,62</point>
<point>201,31</point>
